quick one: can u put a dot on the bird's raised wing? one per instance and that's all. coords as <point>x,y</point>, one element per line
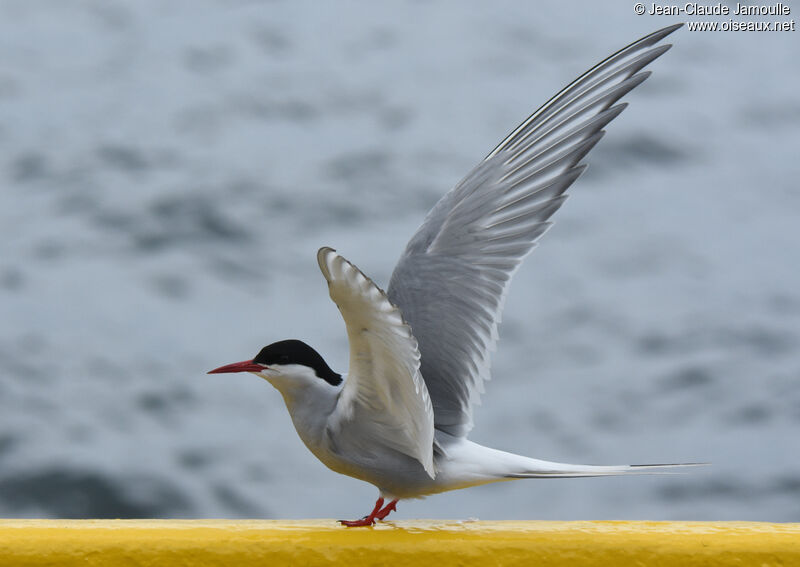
<point>451,280</point>
<point>384,385</point>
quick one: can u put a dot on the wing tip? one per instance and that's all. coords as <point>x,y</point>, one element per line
<point>324,261</point>
<point>670,29</point>
<point>660,34</point>
<point>325,251</point>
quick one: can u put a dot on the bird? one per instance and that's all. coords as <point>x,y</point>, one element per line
<point>420,351</point>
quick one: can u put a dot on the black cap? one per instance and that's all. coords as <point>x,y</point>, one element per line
<point>292,351</point>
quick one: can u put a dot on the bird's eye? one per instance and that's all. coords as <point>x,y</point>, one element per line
<point>283,359</point>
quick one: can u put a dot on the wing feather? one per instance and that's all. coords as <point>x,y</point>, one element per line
<point>451,281</point>
<point>384,387</point>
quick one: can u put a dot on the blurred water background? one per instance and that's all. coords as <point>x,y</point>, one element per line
<point>169,169</point>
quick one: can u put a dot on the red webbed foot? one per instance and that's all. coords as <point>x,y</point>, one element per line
<point>365,521</point>
<point>378,513</point>
<point>390,507</point>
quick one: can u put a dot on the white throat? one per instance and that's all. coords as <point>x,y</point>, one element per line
<point>309,399</point>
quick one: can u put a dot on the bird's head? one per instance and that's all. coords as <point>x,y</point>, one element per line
<point>288,365</point>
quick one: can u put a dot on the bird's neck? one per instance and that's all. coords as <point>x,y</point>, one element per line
<point>310,406</point>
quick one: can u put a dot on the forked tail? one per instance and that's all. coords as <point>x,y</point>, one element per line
<point>545,469</point>
<point>468,460</point>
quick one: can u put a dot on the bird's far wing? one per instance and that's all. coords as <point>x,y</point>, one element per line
<point>384,384</point>
<point>452,278</point>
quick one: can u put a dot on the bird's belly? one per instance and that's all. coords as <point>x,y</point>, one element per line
<point>395,474</point>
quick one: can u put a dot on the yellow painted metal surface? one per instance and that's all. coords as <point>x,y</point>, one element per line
<point>415,542</point>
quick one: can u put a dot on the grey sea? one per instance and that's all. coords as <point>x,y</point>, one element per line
<point>169,169</point>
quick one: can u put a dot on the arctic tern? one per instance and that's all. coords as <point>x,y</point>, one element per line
<point>419,352</point>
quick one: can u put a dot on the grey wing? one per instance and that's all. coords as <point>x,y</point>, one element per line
<point>384,385</point>
<point>451,280</point>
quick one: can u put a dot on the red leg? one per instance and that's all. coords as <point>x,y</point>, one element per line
<point>390,507</point>
<point>367,520</point>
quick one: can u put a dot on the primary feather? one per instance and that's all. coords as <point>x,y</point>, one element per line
<point>451,281</point>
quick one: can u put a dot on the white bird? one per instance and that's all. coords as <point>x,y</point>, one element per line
<point>419,353</point>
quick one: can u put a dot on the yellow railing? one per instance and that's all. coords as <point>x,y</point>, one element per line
<point>411,542</point>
